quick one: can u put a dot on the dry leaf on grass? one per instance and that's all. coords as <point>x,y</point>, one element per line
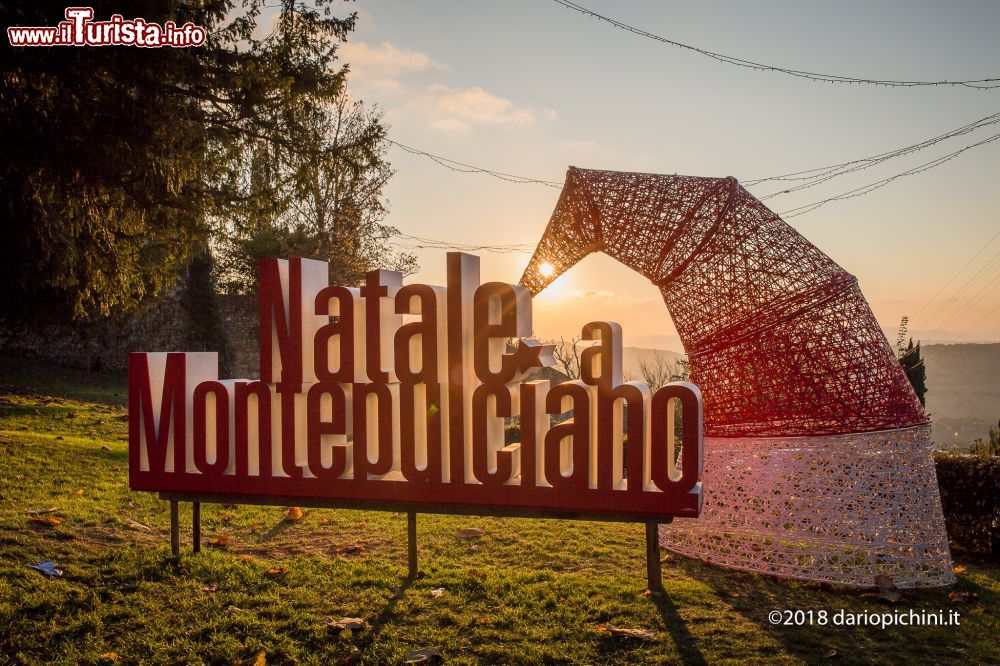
<point>105,448</point>
<point>641,634</point>
<point>111,657</point>
<point>293,513</point>
<point>46,520</point>
<point>226,517</point>
<point>962,597</point>
<point>345,623</point>
<point>469,533</point>
<point>274,572</point>
<point>422,656</point>
<point>77,492</point>
<point>233,609</point>
<point>42,512</point>
<point>247,558</point>
<point>261,659</point>
<point>136,525</point>
<point>438,593</point>
<point>350,549</point>
<point>959,569</point>
<point>224,540</point>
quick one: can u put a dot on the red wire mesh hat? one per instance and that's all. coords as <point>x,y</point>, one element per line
<point>818,460</point>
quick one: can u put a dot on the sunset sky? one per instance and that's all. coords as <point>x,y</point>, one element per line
<point>531,88</point>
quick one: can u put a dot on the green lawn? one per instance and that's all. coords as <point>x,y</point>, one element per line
<point>527,591</point>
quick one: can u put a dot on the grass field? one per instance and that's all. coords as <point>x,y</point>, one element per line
<point>264,589</point>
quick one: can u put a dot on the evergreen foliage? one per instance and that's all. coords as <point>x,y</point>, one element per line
<point>119,164</point>
<point>912,361</point>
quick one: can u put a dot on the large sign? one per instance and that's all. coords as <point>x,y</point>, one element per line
<point>399,394</point>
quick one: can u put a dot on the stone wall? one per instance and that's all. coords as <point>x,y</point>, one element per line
<point>239,319</point>
<point>161,326</point>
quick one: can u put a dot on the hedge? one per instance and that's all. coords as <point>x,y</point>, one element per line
<point>970,496</point>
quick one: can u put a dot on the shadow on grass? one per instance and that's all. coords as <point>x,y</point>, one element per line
<point>385,615</point>
<point>277,530</point>
<point>684,640</point>
<point>753,597</point>
<point>28,376</point>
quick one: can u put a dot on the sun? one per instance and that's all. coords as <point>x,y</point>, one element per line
<point>546,269</point>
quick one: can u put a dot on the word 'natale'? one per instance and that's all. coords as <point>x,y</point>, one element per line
<point>398,394</point>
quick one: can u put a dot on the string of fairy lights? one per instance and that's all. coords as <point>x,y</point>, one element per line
<point>462,167</point>
<point>976,276</point>
<point>981,84</point>
<point>804,179</point>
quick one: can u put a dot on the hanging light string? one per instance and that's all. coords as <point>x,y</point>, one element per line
<point>422,243</point>
<point>821,174</point>
<point>871,187</point>
<point>964,267</point>
<point>981,84</point>
<point>813,177</point>
<point>461,167</point>
<point>806,179</point>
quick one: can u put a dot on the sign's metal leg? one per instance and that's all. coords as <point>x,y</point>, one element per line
<point>175,529</point>
<point>654,581</point>
<point>411,542</point>
<point>196,527</point>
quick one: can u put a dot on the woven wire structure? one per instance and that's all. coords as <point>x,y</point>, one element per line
<point>818,455</point>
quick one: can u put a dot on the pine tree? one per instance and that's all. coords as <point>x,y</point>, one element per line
<point>912,361</point>
<point>204,327</point>
<point>328,201</point>
<point>913,365</point>
<point>118,164</point>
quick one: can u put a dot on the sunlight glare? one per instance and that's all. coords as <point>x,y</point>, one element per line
<point>546,269</point>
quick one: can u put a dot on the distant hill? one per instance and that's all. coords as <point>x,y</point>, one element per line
<point>633,356</point>
<point>963,390</point>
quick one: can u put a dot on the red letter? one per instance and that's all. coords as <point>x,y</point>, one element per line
<point>262,421</point>
<point>172,424</point>
<point>576,429</point>
<point>337,425</point>
<point>221,428</point>
<point>342,329</point>
<point>661,439</point>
